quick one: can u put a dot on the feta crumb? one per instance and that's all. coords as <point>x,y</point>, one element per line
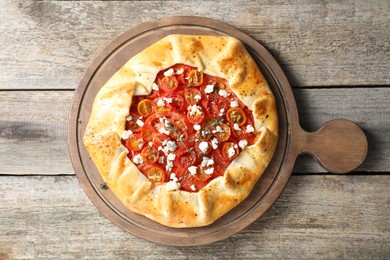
<point>242,143</point>
<point>173,177</point>
<point>169,72</point>
<point>193,187</point>
<point>179,71</point>
<point>161,159</point>
<point>218,129</point>
<point>209,171</point>
<point>203,146</point>
<point>207,161</point>
<point>221,112</point>
<point>138,159</point>
<point>236,127</point>
<point>223,93</point>
<point>192,170</point>
<point>209,89</point>
<point>196,127</point>
<point>150,144</point>
<point>194,109</point>
<point>126,134</point>
<point>129,118</point>
<point>171,146</point>
<point>249,129</point>
<point>197,97</point>
<point>164,131</point>
<point>169,166</point>
<point>160,103</point>
<point>233,103</point>
<point>172,185</point>
<point>214,143</point>
<point>139,123</point>
<point>168,100</point>
<point>171,156</point>
<point>155,86</point>
<point>231,152</point>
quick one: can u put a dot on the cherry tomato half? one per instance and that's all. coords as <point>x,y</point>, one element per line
<point>147,133</point>
<point>145,107</point>
<point>169,84</point>
<point>224,133</point>
<point>149,154</point>
<point>134,142</point>
<point>195,78</point>
<point>230,150</point>
<point>132,124</point>
<point>155,174</point>
<point>201,175</point>
<point>192,95</point>
<point>236,115</point>
<point>195,116</point>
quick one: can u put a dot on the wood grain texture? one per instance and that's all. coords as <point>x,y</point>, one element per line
<point>48,44</point>
<point>30,133</point>
<point>311,219</point>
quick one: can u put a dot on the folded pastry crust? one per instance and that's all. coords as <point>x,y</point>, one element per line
<point>220,56</point>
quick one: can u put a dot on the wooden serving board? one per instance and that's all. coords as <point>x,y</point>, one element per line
<point>340,146</point>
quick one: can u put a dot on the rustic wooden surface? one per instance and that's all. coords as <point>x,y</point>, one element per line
<point>336,56</point>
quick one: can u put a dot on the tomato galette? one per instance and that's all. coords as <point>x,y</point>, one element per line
<point>184,130</point>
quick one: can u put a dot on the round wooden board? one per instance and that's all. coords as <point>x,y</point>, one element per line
<point>266,191</point>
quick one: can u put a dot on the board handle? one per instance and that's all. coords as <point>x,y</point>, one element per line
<point>340,146</point>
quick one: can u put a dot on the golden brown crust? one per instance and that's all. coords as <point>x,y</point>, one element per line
<point>219,56</point>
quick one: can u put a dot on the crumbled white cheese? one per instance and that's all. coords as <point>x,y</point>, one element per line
<point>223,93</point>
<point>169,72</point>
<point>233,103</point>
<point>236,127</point>
<point>168,100</point>
<point>129,118</point>
<point>204,146</point>
<point>150,144</point>
<point>192,170</point>
<point>169,166</point>
<point>138,159</point>
<point>231,152</point>
<point>249,129</point>
<point>242,143</point>
<point>209,89</point>
<point>160,103</point>
<point>221,112</point>
<point>171,146</point>
<point>155,86</point>
<point>195,109</point>
<point>173,177</point>
<point>197,97</point>
<point>196,127</point>
<point>214,143</point>
<point>207,161</point>
<point>139,123</point>
<point>209,171</point>
<point>172,185</point>
<point>161,159</point>
<point>126,134</point>
<point>179,71</point>
<point>218,129</point>
<point>193,187</point>
<point>164,131</point>
<point>171,156</point>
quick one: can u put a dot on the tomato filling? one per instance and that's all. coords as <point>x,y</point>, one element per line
<point>188,130</point>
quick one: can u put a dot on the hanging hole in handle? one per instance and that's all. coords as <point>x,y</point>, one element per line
<point>340,146</point>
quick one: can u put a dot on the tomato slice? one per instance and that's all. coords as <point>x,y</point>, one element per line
<point>145,107</point>
<point>149,154</point>
<point>169,84</point>
<point>201,175</point>
<point>223,132</point>
<point>184,158</point>
<point>132,124</point>
<point>230,150</point>
<point>148,132</point>
<point>134,142</point>
<point>214,104</point>
<point>180,128</point>
<point>195,78</point>
<point>192,95</point>
<point>155,174</point>
<point>235,115</point>
<point>195,116</point>
<point>159,139</point>
<point>176,101</point>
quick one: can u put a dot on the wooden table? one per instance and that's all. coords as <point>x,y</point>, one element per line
<point>335,55</point>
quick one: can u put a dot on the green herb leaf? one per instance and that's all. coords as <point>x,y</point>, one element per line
<point>103,186</point>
